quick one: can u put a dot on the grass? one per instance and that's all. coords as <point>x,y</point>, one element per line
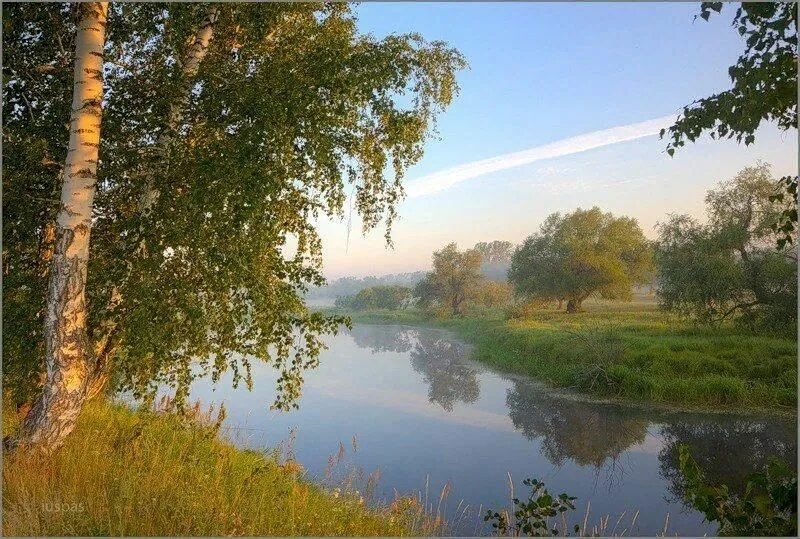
<point>631,352</point>
<point>150,474</point>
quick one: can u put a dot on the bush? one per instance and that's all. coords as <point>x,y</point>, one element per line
<point>531,516</point>
<point>767,507</point>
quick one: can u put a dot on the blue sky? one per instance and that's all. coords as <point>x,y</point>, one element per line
<point>541,73</point>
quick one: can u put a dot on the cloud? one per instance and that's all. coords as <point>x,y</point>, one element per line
<point>444,179</point>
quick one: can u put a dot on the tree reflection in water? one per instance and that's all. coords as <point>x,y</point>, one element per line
<point>728,448</point>
<point>439,359</point>
<point>441,364</point>
<point>384,338</point>
<point>589,435</point>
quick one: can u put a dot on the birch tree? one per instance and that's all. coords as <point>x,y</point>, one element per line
<point>212,177</point>
<point>106,345</point>
<point>67,348</point>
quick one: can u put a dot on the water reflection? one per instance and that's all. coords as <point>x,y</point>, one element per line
<point>589,435</point>
<point>436,356</point>
<point>586,433</point>
<point>727,448</point>
<point>449,379</point>
<point>427,416</point>
<point>384,338</point>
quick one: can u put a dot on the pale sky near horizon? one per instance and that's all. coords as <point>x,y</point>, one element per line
<point>559,109</point>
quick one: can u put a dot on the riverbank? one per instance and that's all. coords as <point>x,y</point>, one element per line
<point>632,353</point>
<point>123,473</point>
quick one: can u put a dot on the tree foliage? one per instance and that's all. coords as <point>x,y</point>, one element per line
<point>768,506</point>
<point>456,283</point>
<point>728,267</point>
<point>764,89</point>
<point>291,107</point>
<point>532,516</point>
<point>495,251</point>
<point>376,297</point>
<point>580,254</point>
<point>492,294</point>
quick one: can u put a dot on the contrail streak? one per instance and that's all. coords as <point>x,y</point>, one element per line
<point>444,179</point>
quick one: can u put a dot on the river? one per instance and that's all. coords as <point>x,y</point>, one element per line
<point>413,413</point>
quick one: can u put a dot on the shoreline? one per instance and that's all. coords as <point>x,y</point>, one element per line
<point>140,457</point>
<point>464,329</point>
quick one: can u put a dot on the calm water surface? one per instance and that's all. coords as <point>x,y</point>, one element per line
<point>422,413</point>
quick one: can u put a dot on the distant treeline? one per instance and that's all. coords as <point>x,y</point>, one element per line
<point>732,267</point>
<point>494,266</point>
<point>390,297</point>
<point>350,286</point>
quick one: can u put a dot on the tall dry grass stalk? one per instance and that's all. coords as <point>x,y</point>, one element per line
<point>149,473</point>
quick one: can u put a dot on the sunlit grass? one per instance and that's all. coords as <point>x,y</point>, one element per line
<point>632,352</point>
<point>145,474</point>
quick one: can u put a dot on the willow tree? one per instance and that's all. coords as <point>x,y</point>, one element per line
<point>455,280</point>
<point>582,254</point>
<point>727,268</point>
<point>211,180</point>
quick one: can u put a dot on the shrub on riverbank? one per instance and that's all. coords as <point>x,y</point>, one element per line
<point>147,474</point>
<point>638,354</point>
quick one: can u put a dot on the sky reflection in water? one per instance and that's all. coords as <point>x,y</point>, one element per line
<point>421,411</point>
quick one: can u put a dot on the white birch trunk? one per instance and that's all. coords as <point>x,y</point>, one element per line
<point>68,354</point>
<point>190,67</point>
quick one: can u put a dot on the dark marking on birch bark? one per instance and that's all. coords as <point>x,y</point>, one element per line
<point>55,412</point>
<point>83,173</point>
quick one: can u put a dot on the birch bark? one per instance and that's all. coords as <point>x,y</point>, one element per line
<point>68,354</point>
<point>190,67</point>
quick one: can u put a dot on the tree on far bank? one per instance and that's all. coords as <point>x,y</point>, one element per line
<point>455,278</point>
<point>390,297</point>
<point>764,89</point>
<point>496,258</point>
<point>729,268</point>
<point>492,294</point>
<point>495,251</point>
<point>580,254</point>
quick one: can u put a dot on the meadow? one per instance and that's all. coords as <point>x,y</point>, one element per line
<point>631,352</point>
<point>128,473</point>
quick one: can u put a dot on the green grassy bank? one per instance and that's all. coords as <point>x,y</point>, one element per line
<point>123,473</point>
<point>631,352</point>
